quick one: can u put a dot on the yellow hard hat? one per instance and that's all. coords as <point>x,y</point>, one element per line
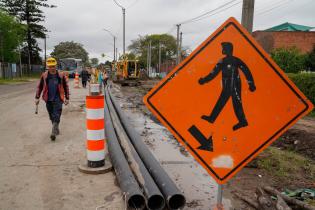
<point>51,62</point>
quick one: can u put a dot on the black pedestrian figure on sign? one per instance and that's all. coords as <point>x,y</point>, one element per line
<point>231,85</point>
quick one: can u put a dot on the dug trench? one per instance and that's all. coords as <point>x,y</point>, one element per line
<point>289,164</point>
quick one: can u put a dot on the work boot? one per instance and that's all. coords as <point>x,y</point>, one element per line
<point>53,132</point>
<point>57,129</point>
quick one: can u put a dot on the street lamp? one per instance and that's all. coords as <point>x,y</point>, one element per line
<point>45,46</point>
<point>114,41</point>
<point>124,31</point>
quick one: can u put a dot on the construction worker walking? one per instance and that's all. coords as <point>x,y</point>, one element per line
<point>55,90</point>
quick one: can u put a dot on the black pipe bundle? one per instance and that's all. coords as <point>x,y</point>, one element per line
<point>155,199</point>
<point>175,199</point>
<point>126,180</point>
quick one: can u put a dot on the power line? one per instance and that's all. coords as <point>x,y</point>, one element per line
<point>263,7</point>
<point>274,7</point>
<point>128,7</point>
<point>171,30</point>
<point>208,12</point>
<point>118,4</point>
<point>133,4</point>
<point>216,12</point>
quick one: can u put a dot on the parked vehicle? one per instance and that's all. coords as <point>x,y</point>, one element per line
<point>70,65</point>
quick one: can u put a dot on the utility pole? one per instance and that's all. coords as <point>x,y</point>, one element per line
<point>150,54</point>
<point>148,51</point>
<point>45,50</point>
<point>147,58</point>
<point>114,48</point>
<point>248,14</point>
<point>29,67</point>
<point>159,57</point>
<point>124,25</point>
<point>180,46</point>
<point>124,30</point>
<point>114,37</point>
<point>21,71</point>
<point>177,43</point>
<point>2,51</point>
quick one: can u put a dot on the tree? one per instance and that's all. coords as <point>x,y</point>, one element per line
<point>291,60</point>
<point>310,60</point>
<point>130,56</point>
<point>29,12</point>
<point>94,61</point>
<point>70,50</point>
<point>108,63</point>
<point>139,47</point>
<point>11,37</point>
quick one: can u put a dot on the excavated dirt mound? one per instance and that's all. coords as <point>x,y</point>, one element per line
<point>300,141</point>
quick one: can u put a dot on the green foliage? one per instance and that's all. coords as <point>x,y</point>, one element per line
<point>70,50</point>
<point>285,164</point>
<point>139,48</point>
<point>291,60</point>
<point>94,61</point>
<point>310,61</point>
<point>130,56</point>
<point>306,83</point>
<point>30,13</point>
<point>16,80</point>
<point>11,37</point>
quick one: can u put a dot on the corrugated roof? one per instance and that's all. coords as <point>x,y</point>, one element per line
<point>290,27</point>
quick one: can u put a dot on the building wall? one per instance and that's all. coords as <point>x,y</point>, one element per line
<point>276,39</point>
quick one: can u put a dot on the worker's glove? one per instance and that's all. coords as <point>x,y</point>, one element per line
<point>252,88</point>
<point>202,81</point>
<point>66,102</point>
<point>36,101</point>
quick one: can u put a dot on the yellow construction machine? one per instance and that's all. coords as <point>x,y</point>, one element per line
<point>127,71</point>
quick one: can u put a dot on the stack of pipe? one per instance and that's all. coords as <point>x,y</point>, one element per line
<point>139,174</point>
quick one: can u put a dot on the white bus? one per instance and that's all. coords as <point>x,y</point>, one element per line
<point>70,65</point>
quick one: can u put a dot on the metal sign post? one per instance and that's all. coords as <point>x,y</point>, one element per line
<point>220,197</point>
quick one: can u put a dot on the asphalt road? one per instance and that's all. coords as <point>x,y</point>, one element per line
<point>36,173</point>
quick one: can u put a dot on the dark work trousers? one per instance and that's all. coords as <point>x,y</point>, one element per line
<point>54,109</point>
<point>104,82</point>
<point>83,83</point>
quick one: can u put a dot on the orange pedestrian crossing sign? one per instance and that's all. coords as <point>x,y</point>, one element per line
<point>227,101</point>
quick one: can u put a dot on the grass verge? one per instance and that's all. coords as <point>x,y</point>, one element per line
<point>311,114</point>
<point>285,164</point>
<point>19,79</point>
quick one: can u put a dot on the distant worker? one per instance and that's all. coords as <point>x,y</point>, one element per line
<point>55,90</point>
<point>84,77</point>
<point>100,79</point>
<point>231,85</point>
<point>105,78</point>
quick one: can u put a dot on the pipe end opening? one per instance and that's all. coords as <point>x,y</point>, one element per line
<point>156,202</point>
<point>177,201</point>
<point>136,202</point>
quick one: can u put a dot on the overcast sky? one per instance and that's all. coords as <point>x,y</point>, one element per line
<point>83,20</point>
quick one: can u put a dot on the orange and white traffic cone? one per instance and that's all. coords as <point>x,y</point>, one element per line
<point>76,80</point>
<point>94,89</point>
<point>95,133</point>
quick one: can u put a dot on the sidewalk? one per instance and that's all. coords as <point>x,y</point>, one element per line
<point>36,173</point>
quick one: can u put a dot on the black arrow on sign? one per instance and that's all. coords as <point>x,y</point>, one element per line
<point>205,144</point>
